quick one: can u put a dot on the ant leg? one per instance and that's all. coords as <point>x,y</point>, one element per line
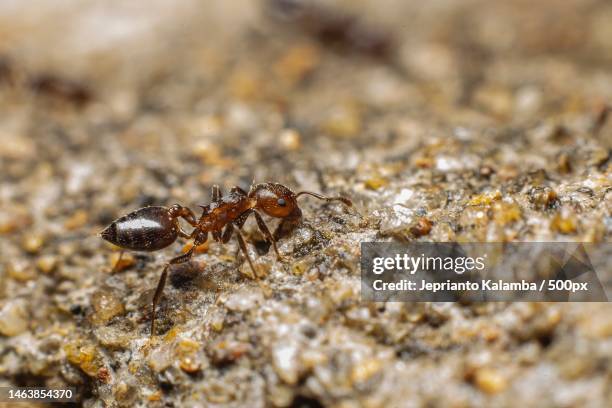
<point>288,224</point>
<point>162,282</point>
<point>215,193</point>
<point>183,234</point>
<point>116,266</point>
<point>178,210</point>
<point>227,234</point>
<point>158,292</point>
<point>239,222</point>
<point>264,228</point>
<point>243,246</point>
<point>265,290</point>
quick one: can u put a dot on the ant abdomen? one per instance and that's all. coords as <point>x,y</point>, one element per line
<point>146,229</point>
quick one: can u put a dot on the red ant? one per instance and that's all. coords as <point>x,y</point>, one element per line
<point>154,228</point>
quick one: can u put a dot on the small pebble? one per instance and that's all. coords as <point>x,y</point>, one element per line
<point>161,357</point>
<point>227,351</point>
<point>490,381</point>
<point>32,243</point>
<point>106,306</point>
<point>244,300</point>
<point>245,84</point>
<point>113,337</point>
<point>423,162</point>
<point>343,122</point>
<point>297,63</point>
<point>77,220</point>
<point>285,362</point>
<point>485,199</point>
<point>376,182</point>
<point>542,197</point>
<point>16,145</point>
<point>200,249</point>
<point>506,213</point>
<point>311,358</point>
<point>495,100</point>
<point>290,139</point>
<point>422,227</point>
<point>217,323</point>
<point>564,223</point>
<point>46,263</point>
<point>120,263</point>
<point>210,154</point>
<point>189,365</point>
<point>486,171</point>
<point>300,267</point>
<point>85,356</point>
<point>13,219</point>
<point>13,317</point>
<point>564,164</point>
<point>21,270</point>
<point>186,350</point>
<point>366,369</point>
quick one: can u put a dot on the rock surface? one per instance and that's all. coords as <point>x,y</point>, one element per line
<point>443,121</point>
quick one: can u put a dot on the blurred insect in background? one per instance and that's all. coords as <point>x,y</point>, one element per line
<point>154,228</point>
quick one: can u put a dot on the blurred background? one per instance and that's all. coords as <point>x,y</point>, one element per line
<point>443,120</point>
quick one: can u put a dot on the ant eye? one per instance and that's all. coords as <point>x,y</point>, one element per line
<point>281,202</point>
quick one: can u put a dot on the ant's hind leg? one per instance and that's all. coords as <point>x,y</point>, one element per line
<point>178,210</point>
<point>183,234</point>
<point>162,283</point>
<point>158,292</point>
<point>264,229</point>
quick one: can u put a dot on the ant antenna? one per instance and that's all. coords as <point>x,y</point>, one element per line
<point>343,200</point>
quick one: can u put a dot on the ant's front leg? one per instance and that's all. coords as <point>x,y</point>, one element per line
<point>288,224</point>
<point>264,229</point>
<point>239,222</point>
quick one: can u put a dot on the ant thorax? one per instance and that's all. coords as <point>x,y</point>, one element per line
<point>227,209</point>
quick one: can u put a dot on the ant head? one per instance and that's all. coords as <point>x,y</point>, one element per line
<point>274,199</point>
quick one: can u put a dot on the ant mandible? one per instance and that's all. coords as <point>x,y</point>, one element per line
<point>154,228</point>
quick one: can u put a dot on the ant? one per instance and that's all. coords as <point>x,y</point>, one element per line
<point>154,228</point>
